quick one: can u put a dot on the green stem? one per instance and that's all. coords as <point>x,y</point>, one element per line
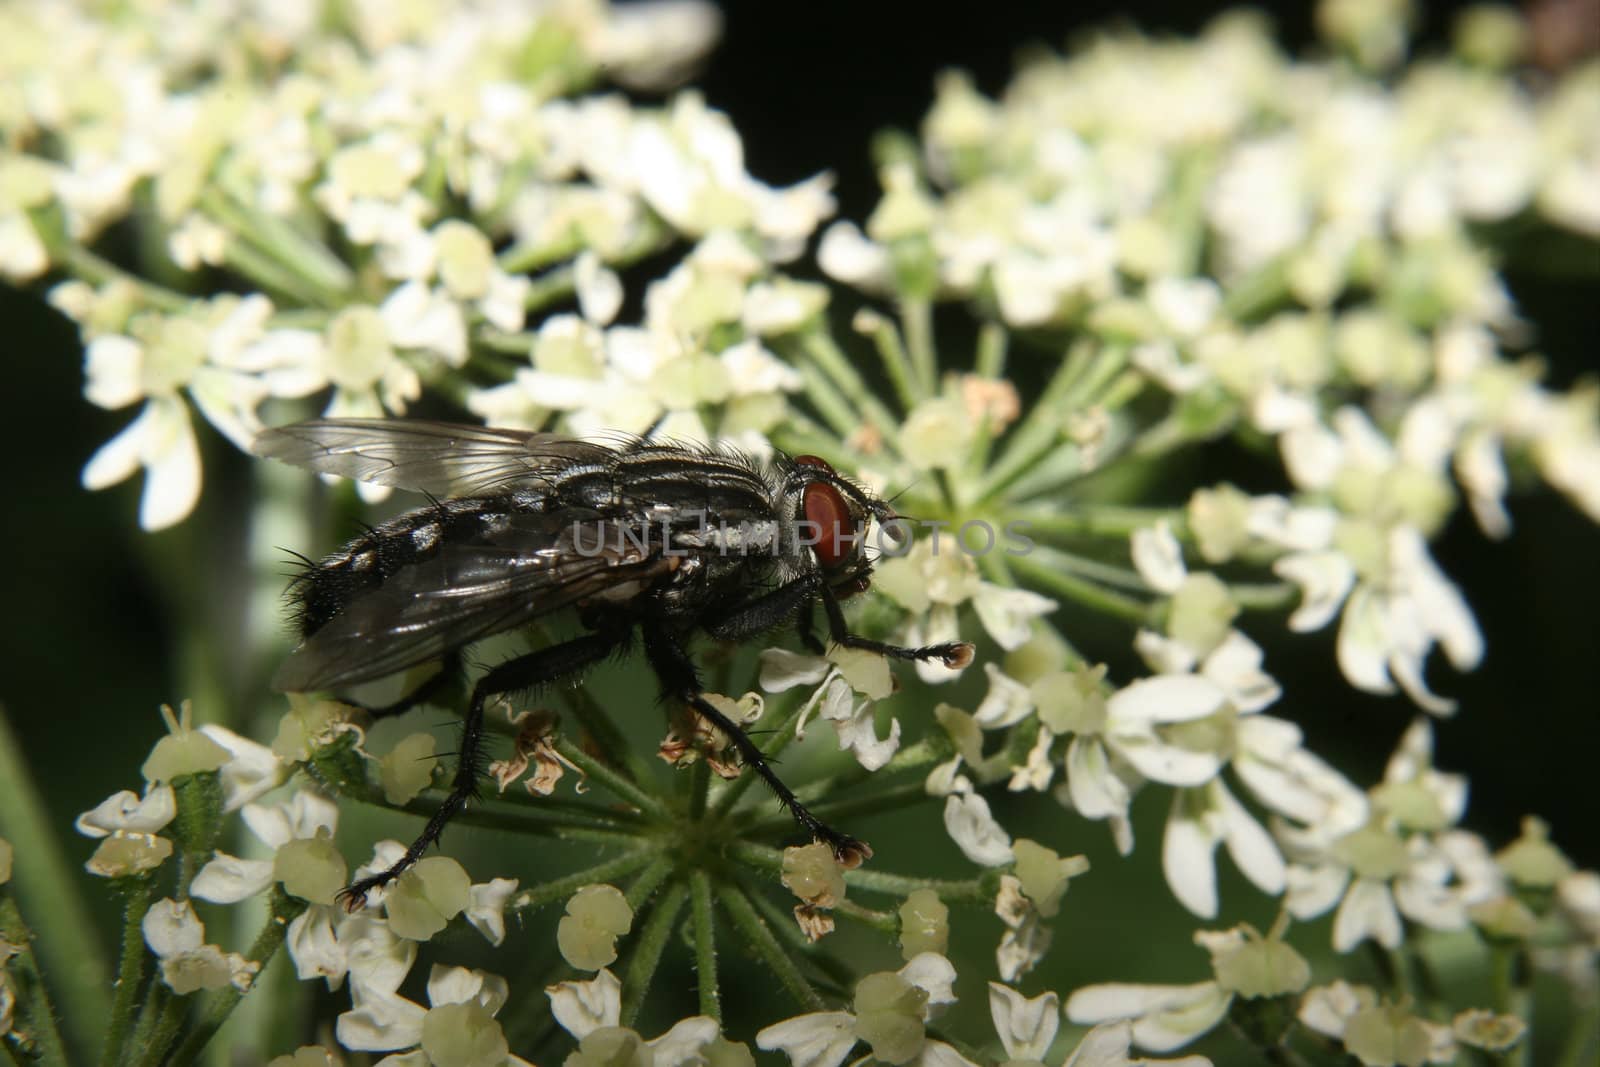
<point>551,287</point>
<point>45,884</point>
<point>1087,593</point>
<point>991,357</point>
<point>294,251</point>
<point>925,753</point>
<point>699,787</point>
<point>883,921</point>
<point>917,315</point>
<point>1512,975</point>
<point>1583,1039</point>
<point>836,411</point>
<point>705,944</point>
<point>819,348</point>
<point>285,909</point>
<point>1110,521</point>
<point>131,971</point>
<point>97,270</point>
<point>1264,596</point>
<point>644,887</point>
<point>771,859</point>
<point>261,268</point>
<point>882,800</point>
<point>609,777</point>
<point>892,354</point>
<point>647,951</point>
<point>561,888</point>
<point>766,946</point>
<point>168,1020</point>
<point>38,1015</point>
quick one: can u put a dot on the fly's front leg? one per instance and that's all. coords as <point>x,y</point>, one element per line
<point>953,654</point>
<point>680,679</point>
<point>524,672</point>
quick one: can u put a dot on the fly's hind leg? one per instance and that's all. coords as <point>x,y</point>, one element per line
<point>525,672</point>
<point>680,679</point>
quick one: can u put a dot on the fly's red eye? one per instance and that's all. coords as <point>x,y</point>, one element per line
<point>814,461</point>
<point>830,518</point>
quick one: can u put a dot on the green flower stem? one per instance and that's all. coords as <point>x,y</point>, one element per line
<point>883,800</point>
<point>1259,292</point>
<point>1108,521</point>
<point>1094,569</point>
<point>1390,967</point>
<point>820,348</point>
<point>609,778</point>
<point>925,753</point>
<point>294,250</point>
<point>44,882</point>
<point>523,256</point>
<point>267,272</point>
<point>990,361</point>
<point>97,270</point>
<point>559,889</point>
<point>38,1015</point>
<point>699,786</point>
<point>765,945</point>
<point>1583,1039</point>
<point>131,971</point>
<point>1511,974</point>
<point>1265,596</point>
<point>649,880</point>
<point>884,922</point>
<point>1035,436</point>
<point>1091,595</point>
<point>830,403</point>
<point>563,812</point>
<point>705,944</point>
<point>771,860</point>
<point>167,1019</point>
<point>551,287</point>
<point>779,917</point>
<point>730,794</point>
<point>285,909</point>
<point>892,354</point>
<point>648,949</point>
<point>916,313</point>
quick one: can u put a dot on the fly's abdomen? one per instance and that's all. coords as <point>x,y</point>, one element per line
<point>326,588</point>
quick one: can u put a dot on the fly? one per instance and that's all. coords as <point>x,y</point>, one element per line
<point>645,541</point>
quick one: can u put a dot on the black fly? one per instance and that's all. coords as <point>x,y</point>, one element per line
<point>661,540</point>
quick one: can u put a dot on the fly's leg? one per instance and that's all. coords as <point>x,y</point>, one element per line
<point>795,599</point>
<point>953,654</point>
<point>680,679</point>
<point>525,672</point>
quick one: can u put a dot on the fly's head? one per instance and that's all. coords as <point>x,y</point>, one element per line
<point>831,512</point>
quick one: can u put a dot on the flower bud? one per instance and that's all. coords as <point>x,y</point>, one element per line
<point>425,898</point>
<point>924,924</point>
<point>587,935</point>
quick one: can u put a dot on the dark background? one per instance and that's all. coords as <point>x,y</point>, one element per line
<point>91,646</point>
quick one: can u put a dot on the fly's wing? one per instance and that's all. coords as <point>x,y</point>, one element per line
<point>535,565</point>
<point>442,458</point>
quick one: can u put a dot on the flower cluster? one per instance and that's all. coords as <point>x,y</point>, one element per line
<point>257,211</point>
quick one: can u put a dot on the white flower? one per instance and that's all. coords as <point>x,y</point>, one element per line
<point>177,937</point>
<point>463,1005</point>
<point>581,1008</point>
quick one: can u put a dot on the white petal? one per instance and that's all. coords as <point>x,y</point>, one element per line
<point>599,289</point>
<point>1236,666</point>
<point>939,1054</point>
<point>1026,1027</point>
<point>1007,613</point>
<point>1250,845</point>
<point>1094,787</point>
<point>980,837</point>
<point>1165,698</point>
<point>487,910</point>
<point>172,459</point>
<point>782,669</point>
<point>314,948</point>
<point>934,975</point>
<point>252,770</point>
<point>1362,647</point>
<point>463,985</point>
<point>1158,558</point>
<point>1311,891</point>
<point>1007,703</point>
<point>118,458</point>
<point>682,1044</point>
<point>378,1024</point>
<point>1187,848</point>
<point>822,1039</point>
<point>583,1007</point>
<point>1166,763</point>
<point>1368,911</point>
<point>229,879</point>
<point>129,812</point>
<point>171,927</point>
<point>1324,579</point>
<point>1165,1017</point>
